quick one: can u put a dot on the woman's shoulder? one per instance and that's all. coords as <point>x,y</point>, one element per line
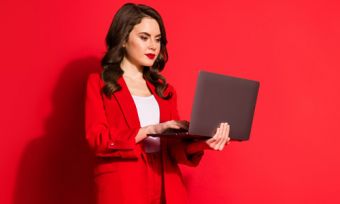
<point>95,78</point>
<point>170,89</point>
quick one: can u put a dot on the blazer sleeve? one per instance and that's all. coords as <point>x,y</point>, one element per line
<point>177,148</point>
<point>107,141</point>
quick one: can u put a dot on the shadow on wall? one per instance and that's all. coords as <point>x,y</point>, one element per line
<point>58,167</point>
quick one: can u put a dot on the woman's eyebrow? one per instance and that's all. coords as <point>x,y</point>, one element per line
<point>148,34</point>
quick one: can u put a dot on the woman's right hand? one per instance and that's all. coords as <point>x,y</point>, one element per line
<point>171,124</point>
<point>160,128</point>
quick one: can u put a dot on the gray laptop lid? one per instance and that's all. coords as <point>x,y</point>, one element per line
<point>220,98</point>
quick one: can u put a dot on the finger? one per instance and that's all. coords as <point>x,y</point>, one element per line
<point>169,124</point>
<point>183,123</point>
<point>213,138</point>
<point>211,142</point>
<point>224,136</point>
<point>177,124</point>
<point>221,141</point>
<point>217,138</point>
<point>228,138</point>
<point>174,126</point>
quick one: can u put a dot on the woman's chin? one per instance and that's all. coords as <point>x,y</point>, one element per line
<point>149,64</point>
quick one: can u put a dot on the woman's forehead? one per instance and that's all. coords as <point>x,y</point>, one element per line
<point>147,25</point>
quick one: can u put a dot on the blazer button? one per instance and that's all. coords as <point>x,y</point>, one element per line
<point>112,144</point>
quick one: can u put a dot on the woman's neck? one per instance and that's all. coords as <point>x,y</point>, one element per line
<point>131,70</point>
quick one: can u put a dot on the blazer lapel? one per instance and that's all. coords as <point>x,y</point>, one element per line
<point>127,104</point>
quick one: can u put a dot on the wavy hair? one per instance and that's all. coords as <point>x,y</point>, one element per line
<point>122,24</point>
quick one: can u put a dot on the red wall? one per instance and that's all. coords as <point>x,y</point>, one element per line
<point>291,47</point>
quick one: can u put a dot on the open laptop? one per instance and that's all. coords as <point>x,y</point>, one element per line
<point>220,98</point>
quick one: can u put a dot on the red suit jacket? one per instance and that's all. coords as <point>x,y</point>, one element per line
<point>111,126</point>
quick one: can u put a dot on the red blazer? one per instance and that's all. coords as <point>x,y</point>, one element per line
<point>111,126</point>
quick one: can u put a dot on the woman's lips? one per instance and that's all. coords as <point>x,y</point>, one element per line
<point>150,56</point>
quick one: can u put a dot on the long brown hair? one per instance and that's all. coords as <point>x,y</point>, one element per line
<point>122,24</point>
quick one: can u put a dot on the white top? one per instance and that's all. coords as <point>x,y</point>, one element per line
<point>148,114</point>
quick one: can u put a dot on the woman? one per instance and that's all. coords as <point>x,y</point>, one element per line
<point>129,100</point>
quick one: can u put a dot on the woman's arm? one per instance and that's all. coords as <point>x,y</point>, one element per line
<point>107,141</point>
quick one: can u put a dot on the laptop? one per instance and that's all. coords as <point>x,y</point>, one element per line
<point>220,98</point>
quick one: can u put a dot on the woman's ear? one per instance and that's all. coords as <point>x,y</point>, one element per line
<point>124,43</point>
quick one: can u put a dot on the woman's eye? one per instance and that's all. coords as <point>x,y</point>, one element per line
<point>143,38</point>
<point>158,40</point>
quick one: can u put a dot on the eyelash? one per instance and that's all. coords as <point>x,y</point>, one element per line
<point>145,38</point>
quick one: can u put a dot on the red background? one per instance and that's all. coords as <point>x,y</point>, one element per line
<point>292,47</point>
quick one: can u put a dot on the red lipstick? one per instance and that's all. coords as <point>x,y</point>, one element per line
<point>150,56</point>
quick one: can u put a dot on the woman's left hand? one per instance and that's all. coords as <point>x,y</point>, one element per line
<point>221,137</point>
<point>217,142</point>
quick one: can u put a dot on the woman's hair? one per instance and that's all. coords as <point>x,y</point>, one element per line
<point>122,24</point>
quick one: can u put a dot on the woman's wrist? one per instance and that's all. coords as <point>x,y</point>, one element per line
<point>141,135</point>
<point>150,129</point>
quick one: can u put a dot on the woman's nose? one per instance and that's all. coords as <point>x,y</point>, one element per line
<point>152,45</point>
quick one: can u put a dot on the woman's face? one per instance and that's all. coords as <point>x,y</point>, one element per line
<point>144,43</point>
